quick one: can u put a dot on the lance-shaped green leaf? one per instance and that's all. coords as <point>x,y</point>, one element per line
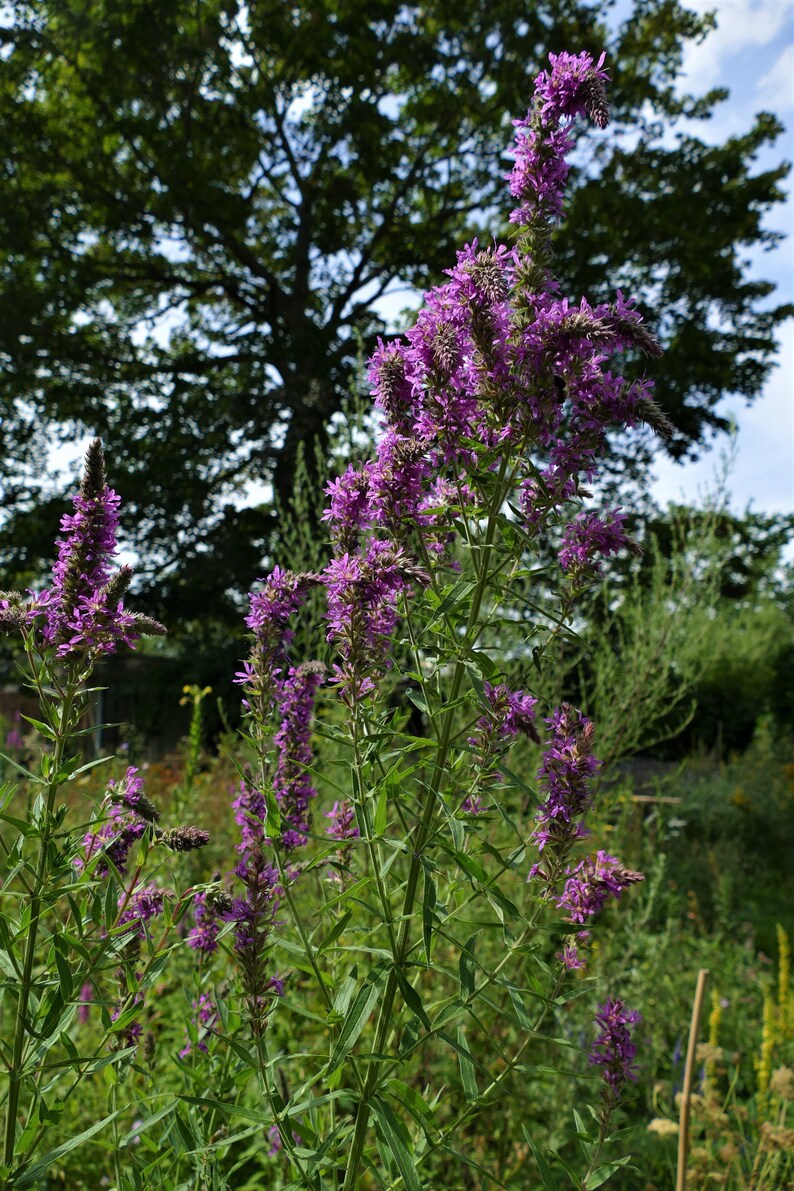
<point>467,1075</point>
<point>396,1139</point>
<point>356,1018</point>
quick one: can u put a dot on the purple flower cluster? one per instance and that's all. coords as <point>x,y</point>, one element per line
<point>343,828</point>
<point>270,609</point>
<point>565,774</point>
<point>14,736</point>
<point>112,841</point>
<point>566,770</point>
<point>145,902</point>
<point>589,536</point>
<point>250,814</point>
<point>510,713</point>
<point>614,1049</point>
<point>363,590</point>
<point>129,794</point>
<point>496,358</point>
<point>204,934</point>
<point>291,781</point>
<point>591,883</point>
<point>254,915</point>
<point>569,956</point>
<point>137,909</point>
<point>83,612</point>
<point>205,1016</point>
<point>129,812</point>
<point>573,87</point>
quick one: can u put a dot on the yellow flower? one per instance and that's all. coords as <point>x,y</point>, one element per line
<point>763,1064</point>
<point>783,984</point>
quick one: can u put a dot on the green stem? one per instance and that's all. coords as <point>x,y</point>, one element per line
<point>307,947</point>
<point>20,1028</point>
<point>486,1097</point>
<point>422,833</point>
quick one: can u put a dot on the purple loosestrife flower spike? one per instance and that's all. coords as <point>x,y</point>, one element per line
<point>270,608</point>
<point>113,839</point>
<point>510,713</point>
<point>291,782</point>
<point>614,1049</point>
<point>130,794</point>
<point>250,813</point>
<point>589,536</point>
<point>573,87</point>
<point>203,936</point>
<point>145,903</point>
<point>184,839</point>
<point>342,827</point>
<point>254,916</point>
<point>591,883</point>
<point>205,1016</point>
<point>363,590</point>
<point>565,773</point>
<point>83,612</point>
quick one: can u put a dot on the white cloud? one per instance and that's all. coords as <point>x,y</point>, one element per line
<point>776,89</point>
<point>741,25</point>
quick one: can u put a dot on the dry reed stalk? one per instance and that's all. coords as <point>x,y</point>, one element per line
<point>683,1120</point>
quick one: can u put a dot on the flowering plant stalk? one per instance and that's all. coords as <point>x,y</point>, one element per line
<point>495,411</point>
<point>85,926</point>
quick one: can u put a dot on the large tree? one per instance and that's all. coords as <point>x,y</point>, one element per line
<point>255,177</point>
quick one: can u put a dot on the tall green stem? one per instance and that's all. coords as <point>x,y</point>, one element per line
<point>422,832</point>
<point>40,881</point>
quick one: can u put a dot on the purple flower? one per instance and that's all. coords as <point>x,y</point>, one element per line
<point>342,827</point>
<point>565,772</point>
<point>291,782</point>
<point>144,903</point>
<point>86,997</point>
<point>14,736</point>
<point>392,390</point>
<point>398,484</point>
<point>254,915</point>
<point>569,957</point>
<point>250,814</point>
<point>276,1144</point>
<point>205,1015</point>
<point>270,609</point>
<point>83,610</point>
<point>349,512</point>
<point>614,1049</point>
<point>129,794</point>
<point>113,840</point>
<point>512,712</point>
<point>573,87</point>
<point>363,590</point>
<point>472,804</point>
<point>588,536</point>
<point>591,883</point>
<point>203,936</point>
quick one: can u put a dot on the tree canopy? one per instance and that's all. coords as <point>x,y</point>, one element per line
<point>255,178</point>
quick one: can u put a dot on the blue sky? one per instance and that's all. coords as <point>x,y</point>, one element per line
<point>752,53</point>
